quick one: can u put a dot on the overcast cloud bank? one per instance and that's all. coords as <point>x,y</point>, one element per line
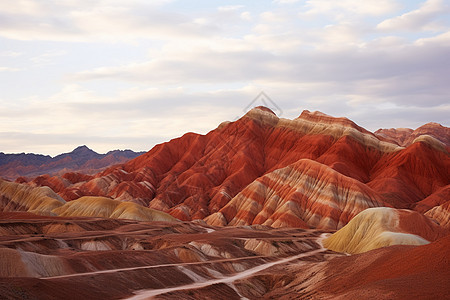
<point>129,74</point>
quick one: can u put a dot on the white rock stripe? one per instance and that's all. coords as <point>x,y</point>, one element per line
<point>152,267</point>
<point>148,294</point>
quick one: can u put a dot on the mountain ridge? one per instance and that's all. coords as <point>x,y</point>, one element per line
<point>81,159</point>
<point>196,176</point>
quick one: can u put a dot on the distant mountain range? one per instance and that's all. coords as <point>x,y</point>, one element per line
<point>81,159</point>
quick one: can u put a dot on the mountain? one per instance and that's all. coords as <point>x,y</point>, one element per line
<point>315,171</point>
<point>261,208</point>
<point>405,136</point>
<point>81,159</point>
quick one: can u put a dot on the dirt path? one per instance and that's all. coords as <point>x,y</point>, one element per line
<point>156,266</point>
<point>146,294</point>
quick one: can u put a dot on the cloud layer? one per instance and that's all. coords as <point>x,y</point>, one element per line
<point>129,74</point>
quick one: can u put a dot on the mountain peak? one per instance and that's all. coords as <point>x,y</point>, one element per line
<point>262,115</point>
<point>82,148</point>
<point>320,117</point>
<point>263,108</point>
<point>432,124</point>
<point>315,113</point>
<point>406,136</point>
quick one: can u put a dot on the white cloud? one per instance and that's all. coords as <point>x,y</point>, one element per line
<point>47,57</point>
<point>8,69</point>
<point>438,40</point>
<point>22,7</point>
<point>135,74</point>
<point>285,1</point>
<point>423,18</point>
<point>348,8</point>
<point>247,16</point>
<point>11,54</point>
<point>272,17</point>
<point>93,21</point>
<point>230,7</point>
<point>342,59</point>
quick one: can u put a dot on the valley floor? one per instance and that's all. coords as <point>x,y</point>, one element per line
<point>94,258</point>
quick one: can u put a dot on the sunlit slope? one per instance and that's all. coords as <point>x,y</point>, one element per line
<point>21,197</point>
<point>380,227</point>
<point>89,206</point>
<point>15,197</point>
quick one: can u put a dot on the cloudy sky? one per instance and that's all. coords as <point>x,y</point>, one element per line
<point>116,74</point>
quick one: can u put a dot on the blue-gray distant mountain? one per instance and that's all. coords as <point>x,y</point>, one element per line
<point>81,159</point>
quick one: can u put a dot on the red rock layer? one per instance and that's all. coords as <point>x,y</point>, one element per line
<point>397,136</point>
<point>441,214</point>
<point>438,198</point>
<point>305,193</point>
<point>405,136</point>
<point>406,272</point>
<point>410,175</point>
<point>397,272</point>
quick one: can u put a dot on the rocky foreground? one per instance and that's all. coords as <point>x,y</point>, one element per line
<point>93,258</point>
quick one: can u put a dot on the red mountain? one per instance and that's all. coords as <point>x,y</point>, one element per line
<point>406,136</point>
<point>313,171</point>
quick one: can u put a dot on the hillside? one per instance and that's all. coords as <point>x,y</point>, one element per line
<point>314,171</point>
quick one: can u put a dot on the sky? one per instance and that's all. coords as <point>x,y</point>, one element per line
<point>114,74</point>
